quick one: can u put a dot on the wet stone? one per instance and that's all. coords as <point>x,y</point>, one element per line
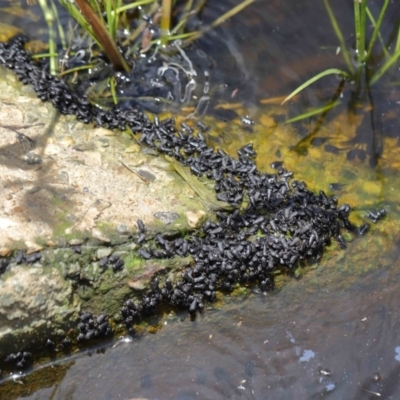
<point>166,217</point>
<point>194,217</point>
<point>122,229</point>
<point>75,242</point>
<point>104,142</point>
<point>103,252</point>
<point>73,271</point>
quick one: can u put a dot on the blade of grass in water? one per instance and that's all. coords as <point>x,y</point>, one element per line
<point>376,33</point>
<point>187,11</point>
<point>111,19</point>
<point>165,20</point>
<point>59,25</point>
<point>338,33</point>
<point>177,37</point>
<point>398,41</point>
<point>112,16</point>
<point>79,18</point>
<point>357,22</point>
<point>142,25</point>
<point>49,18</point>
<point>331,71</point>
<point>113,85</point>
<point>314,111</point>
<point>378,74</point>
<point>229,14</point>
<point>320,120</point>
<point>180,26</point>
<point>43,55</point>
<point>76,69</point>
<point>133,5</point>
<point>360,19</point>
<point>103,36</point>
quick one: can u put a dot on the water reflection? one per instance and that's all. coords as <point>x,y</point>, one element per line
<point>315,338</point>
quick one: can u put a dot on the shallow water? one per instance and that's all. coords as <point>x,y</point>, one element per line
<point>315,338</point>
<point>334,333</point>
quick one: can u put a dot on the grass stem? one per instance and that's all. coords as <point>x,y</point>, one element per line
<point>378,74</point>
<point>361,33</point>
<point>331,71</point>
<point>135,4</point>
<point>314,111</point>
<point>103,36</point>
<point>165,20</point>
<point>229,14</point>
<point>49,18</point>
<point>376,32</point>
<point>338,33</point>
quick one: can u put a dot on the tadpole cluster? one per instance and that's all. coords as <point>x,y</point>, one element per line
<point>282,224</point>
<point>91,326</point>
<point>113,261</point>
<point>276,221</point>
<point>20,360</point>
<point>4,263</point>
<point>19,258</point>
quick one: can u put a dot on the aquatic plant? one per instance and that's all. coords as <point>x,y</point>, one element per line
<point>141,25</point>
<point>141,53</point>
<point>364,67</point>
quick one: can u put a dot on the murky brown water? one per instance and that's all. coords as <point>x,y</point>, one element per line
<point>334,333</point>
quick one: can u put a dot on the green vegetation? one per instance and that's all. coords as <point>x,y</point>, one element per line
<point>368,66</point>
<point>113,25</point>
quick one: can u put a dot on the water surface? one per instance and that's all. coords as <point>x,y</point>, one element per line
<point>333,333</point>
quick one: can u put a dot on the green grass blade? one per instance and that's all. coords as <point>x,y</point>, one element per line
<point>61,33</point>
<point>165,20</point>
<point>44,55</point>
<point>133,5</point>
<point>357,22</point>
<point>331,71</point>
<point>229,14</point>
<point>131,41</point>
<point>78,17</point>
<point>187,12</point>
<point>177,37</point>
<point>103,36</point>
<point>338,33</point>
<point>377,33</point>
<point>314,111</point>
<point>398,41</point>
<point>378,74</point>
<point>361,31</point>
<point>113,89</point>
<point>76,69</point>
<point>110,18</point>
<point>49,18</point>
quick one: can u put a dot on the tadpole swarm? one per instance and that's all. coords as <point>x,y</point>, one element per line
<point>283,223</point>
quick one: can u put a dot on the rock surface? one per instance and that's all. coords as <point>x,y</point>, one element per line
<point>67,184</point>
<point>73,180</point>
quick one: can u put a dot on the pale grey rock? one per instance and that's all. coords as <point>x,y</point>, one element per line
<point>103,252</point>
